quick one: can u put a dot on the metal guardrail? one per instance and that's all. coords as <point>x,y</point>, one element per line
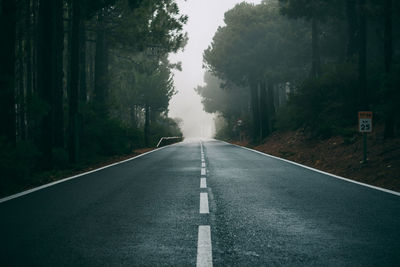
<point>169,140</point>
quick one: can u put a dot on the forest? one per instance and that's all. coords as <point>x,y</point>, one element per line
<point>309,64</point>
<point>83,80</point>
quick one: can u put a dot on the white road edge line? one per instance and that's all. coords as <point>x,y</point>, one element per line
<point>316,170</point>
<point>204,203</point>
<point>203,182</point>
<point>73,177</point>
<point>204,247</point>
<point>203,171</point>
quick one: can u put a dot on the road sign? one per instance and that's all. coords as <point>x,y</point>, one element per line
<point>365,121</point>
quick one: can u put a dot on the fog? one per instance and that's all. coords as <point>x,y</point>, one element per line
<point>204,18</point>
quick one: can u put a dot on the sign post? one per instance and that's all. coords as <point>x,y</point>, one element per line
<point>364,127</point>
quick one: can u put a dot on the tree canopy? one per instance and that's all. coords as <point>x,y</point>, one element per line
<point>301,61</point>
<point>84,80</point>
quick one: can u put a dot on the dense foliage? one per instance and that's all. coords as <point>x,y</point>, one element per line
<point>83,80</point>
<point>310,64</point>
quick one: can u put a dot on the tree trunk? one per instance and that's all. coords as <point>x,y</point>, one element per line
<point>20,111</point>
<point>388,52</point>
<point>82,57</point>
<point>33,119</point>
<point>265,130</point>
<point>45,72</point>
<point>316,60</point>
<point>92,56</point>
<point>82,76</point>
<point>7,71</point>
<point>50,89</point>
<point>255,110</point>
<point>74,86</point>
<point>146,124</point>
<point>69,41</point>
<point>388,38</point>
<point>101,69</point>
<point>351,17</point>
<point>35,36</point>
<point>362,58</point>
<point>28,66</point>
<point>271,105</point>
<point>58,43</point>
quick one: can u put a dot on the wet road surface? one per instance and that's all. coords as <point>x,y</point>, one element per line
<point>202,203</point>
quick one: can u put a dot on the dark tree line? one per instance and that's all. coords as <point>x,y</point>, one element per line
<point>326,59</point>
<point>63,66</point>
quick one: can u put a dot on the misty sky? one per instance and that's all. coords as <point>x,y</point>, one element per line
<point>204,18</point>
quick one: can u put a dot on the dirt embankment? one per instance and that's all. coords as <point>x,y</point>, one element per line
<point>341,156</point>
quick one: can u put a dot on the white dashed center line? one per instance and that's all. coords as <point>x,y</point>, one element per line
<point>204,249</point>
<point>204,203</point>
<point>203,183</point>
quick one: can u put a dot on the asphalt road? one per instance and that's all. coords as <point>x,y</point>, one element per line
<point>252,210</point>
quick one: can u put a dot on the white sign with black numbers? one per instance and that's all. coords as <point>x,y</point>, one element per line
<point>365,121</point>
<point>365,125</point>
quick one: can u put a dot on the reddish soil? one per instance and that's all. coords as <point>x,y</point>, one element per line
<point>339,156</point>
<point>143,150</point>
